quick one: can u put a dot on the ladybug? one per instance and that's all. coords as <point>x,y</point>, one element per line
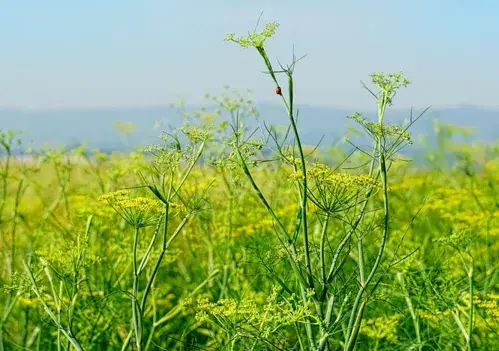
<point>278,91</point>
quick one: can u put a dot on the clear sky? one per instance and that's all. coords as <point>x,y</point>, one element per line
<point>108,53</point>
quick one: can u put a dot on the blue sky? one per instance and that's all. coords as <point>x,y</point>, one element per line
<point>138,53</point>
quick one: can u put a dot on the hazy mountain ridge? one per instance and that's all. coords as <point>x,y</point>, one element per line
<point>95,127</point>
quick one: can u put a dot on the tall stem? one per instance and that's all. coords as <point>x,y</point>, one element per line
<point>408,301</point>
<point>135,313</point>
<point>304,195</point>
<point>357,313</point>
<point>322,250</point>
<point>470,320</point>
<point>304,191</point>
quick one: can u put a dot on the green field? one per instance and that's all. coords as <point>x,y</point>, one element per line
<point>223,238</point>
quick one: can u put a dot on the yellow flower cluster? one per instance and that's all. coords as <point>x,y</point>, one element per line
<point>380,328</point>
<point>351,181</point>
<point>36,301</point>
<point>26,301</point>
<point>66,257</point>
<point>321,173</point>
<point>462,209</point>
<point>453,197</point>
<point>429,316</point>
<point>254,39</point>
<point>138,211</point>
<point>295,176</point>
<point>293,160</point>
<point>121,198</point>
<point>250,313</point>
<point>490,303</point>
<point>143,204</point>
<point>116,196</point>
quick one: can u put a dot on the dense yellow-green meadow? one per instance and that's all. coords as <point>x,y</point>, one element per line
<point>218,238</point>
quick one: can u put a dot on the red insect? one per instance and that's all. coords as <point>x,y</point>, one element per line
<point>278,91</point>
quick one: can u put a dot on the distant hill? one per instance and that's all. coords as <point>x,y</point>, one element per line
<point>95,127</point>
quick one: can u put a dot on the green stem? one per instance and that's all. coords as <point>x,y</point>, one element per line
<point>351,335</point>
<point>67,333</point>
<point>470,320</point>
<point>333,268</point>
<point>304,195</point>
<point>357,313</point>
<point>166,244</point>
<point>5,176</point>
<point>322,249</point>
<point>8,310</point>
<point>147,255</point>
<point>356,327</point>
<point>296,269</point>
<point>408,301</point>
<point>136,317</point>
<point>153,328</point>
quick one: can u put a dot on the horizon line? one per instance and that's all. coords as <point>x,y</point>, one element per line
<point>256,104</point>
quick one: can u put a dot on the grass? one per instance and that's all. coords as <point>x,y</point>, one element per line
<point>210,241</point>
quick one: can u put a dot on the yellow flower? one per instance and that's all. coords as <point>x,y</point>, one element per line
<point>138,211</point>
<point>381,328</point>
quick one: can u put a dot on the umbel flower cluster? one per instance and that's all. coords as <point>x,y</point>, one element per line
<point>254,39</point>
<point>333,192</point>
<point>248,313</point>
<point>138,211</point>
